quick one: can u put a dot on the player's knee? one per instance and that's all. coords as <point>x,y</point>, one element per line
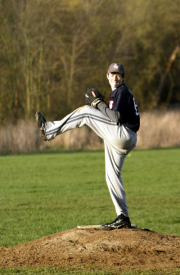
<point>84,108</point>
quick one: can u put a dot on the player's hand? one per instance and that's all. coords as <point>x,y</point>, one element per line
<point>93,97</point>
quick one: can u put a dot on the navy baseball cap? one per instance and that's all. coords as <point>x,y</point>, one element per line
<point>116,68</point>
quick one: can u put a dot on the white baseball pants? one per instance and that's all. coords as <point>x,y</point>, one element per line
<point>118,142</point>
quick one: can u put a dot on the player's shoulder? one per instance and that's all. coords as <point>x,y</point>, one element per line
<point>124,90</point>
<point>121,92</point>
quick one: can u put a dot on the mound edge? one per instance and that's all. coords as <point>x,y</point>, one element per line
<point>131,249</point>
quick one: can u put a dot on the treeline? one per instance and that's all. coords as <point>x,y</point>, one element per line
<point>52,51</point>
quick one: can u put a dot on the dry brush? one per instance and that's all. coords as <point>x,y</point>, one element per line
<point>158,129</point>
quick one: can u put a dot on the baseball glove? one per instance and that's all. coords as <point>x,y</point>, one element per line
<point>93,97</point>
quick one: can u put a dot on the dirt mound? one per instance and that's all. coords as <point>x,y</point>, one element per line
<point>123,249</point>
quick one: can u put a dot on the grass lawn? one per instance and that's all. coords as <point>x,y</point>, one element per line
<point>41,194</point>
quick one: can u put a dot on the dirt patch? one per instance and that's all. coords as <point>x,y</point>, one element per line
<point>131,249</point>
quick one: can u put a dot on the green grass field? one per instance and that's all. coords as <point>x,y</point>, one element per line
<point>45,193</point>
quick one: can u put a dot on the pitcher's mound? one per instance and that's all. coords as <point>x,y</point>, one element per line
<point>131,249</point>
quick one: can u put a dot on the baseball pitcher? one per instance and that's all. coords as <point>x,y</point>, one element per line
<point>117,124</point>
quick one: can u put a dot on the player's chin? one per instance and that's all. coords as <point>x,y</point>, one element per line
<point>115,85</point>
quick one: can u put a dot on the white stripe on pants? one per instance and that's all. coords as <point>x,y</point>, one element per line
<point>118,142</point>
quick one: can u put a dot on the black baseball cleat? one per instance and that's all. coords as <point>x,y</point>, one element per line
<point>40,121</point>
<point>120,222</point>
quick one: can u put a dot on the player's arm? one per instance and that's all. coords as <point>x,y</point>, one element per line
<point>114,116</point>
<point>95,98</point>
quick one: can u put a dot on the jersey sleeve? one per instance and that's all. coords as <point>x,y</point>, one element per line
<point>118,100</point>
<point>111,114</point>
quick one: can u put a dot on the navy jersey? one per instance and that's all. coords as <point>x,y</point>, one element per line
<point>122,100</point>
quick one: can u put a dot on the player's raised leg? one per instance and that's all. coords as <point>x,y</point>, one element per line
<point>85,115</point>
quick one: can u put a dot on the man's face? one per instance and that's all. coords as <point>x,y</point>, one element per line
<point>115,79</point>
